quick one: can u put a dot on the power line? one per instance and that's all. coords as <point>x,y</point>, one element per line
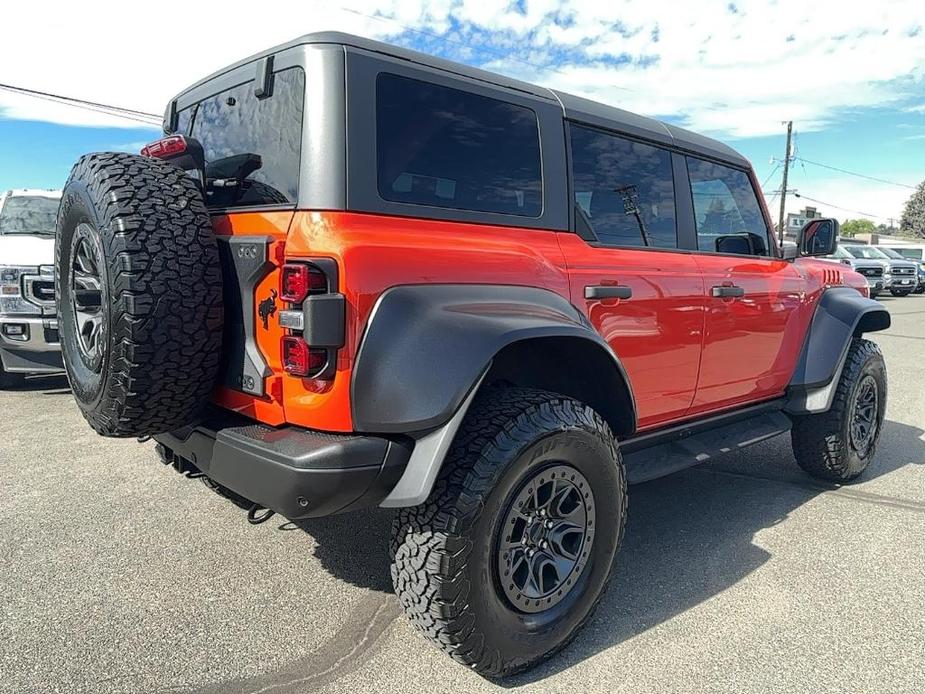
<point>839,207</point>
<point>855,173</point>
<point>96,107</point>
<point>770,175</point>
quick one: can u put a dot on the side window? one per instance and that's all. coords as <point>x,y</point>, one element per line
<point>252,146</point>
<point>450,148</point>
<point>726,210</point>
<point>624,189</point>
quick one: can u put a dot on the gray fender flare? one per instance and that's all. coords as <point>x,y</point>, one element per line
<point>426,350</point>
<point>841,314</point>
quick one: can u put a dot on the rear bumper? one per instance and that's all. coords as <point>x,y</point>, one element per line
<point>298,473</point>
<point>35,350</point>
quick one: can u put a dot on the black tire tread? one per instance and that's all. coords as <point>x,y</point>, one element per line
<point>429,548</point>
<point>818,444</point>
<point>165,285</point>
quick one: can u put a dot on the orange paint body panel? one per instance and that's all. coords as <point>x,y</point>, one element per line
<point>685,352</point>
<point>374,253</point>
<point>658,333</point>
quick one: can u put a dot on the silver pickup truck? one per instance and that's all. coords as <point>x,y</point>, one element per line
<point>28,324</point>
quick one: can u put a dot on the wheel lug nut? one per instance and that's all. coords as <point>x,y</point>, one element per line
<point>549,525</point>
<point>544,544</point>
<point>531,552</point>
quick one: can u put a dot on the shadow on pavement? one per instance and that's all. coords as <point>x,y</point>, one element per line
<point>49,385</point>
<point>688,538</point>
<point>353,546</point>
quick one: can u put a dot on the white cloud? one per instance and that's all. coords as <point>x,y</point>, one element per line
<point>734,73</point>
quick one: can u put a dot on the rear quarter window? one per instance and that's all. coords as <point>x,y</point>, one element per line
<point>252,146</point>
<point>450,148</point>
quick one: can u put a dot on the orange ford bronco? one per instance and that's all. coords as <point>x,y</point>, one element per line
<point>352,275</point>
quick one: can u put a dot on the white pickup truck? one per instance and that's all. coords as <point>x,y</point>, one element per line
<point>28,324</point>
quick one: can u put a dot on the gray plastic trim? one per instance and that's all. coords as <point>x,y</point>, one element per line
<point>427,458</point>
<point>245,259</point>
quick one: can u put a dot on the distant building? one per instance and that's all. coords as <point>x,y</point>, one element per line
<point>795,221</point>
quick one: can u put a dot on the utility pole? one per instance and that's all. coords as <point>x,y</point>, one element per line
<point>783,185</point>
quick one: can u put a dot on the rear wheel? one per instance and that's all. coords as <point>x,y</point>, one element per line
<point>139,295</point>
<point>838,445</point>
<point>511,552</point>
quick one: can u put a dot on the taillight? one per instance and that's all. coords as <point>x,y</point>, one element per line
<point>314,318</point>
<point>298,280</point>
<point>166,147</point>
<point>301,360</point>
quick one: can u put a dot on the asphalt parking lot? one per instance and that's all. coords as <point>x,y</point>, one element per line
<point>119,575</point>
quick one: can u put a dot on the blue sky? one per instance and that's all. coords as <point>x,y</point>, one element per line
<point>851,78</point>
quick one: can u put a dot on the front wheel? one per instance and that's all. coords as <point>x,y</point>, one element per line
<point>900,292</point>
<point>839,444</point>
<point>510,554</point>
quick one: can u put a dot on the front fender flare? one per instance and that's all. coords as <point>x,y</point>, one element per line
<point>841,315</point>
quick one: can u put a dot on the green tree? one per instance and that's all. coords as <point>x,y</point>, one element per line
<point>913,219</point>
<point>853,227</point>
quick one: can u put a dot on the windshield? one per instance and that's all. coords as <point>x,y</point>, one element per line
<point>29,214</point>
<point>892,254</point>
<point>865,252</point>
<point>840,252</point>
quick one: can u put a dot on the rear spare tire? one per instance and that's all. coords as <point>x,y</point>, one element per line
<point>139,294</point>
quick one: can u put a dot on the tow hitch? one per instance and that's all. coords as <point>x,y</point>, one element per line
<point>256,514</point>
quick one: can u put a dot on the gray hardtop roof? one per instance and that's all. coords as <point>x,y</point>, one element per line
<point>574,107</point>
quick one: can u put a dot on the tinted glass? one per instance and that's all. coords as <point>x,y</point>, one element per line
<point>29,214</point>
<point>725,205</point>
<point>623,189</point>
<point>252,146</point>
<point>450,148</point>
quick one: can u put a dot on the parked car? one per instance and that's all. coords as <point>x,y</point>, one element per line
<point>28,327</point>
<point>460,297</point>
<point>877,272</point>
<point>904,272</point>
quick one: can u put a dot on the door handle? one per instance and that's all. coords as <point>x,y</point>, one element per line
<point>608,291</point>
<point>727,291</point>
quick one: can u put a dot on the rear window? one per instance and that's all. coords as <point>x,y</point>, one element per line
<point>252,146</point>
<point>451,148</point>
<point>624,190</point>
<point>29,214</point>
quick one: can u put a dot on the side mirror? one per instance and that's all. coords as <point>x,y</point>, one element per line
<point>818,237</point>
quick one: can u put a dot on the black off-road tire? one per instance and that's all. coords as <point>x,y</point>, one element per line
<point>445,551</point>
<point>8,380</point>
<point>904,292</point>
<point>151,364</point>
<point>822,443</point>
